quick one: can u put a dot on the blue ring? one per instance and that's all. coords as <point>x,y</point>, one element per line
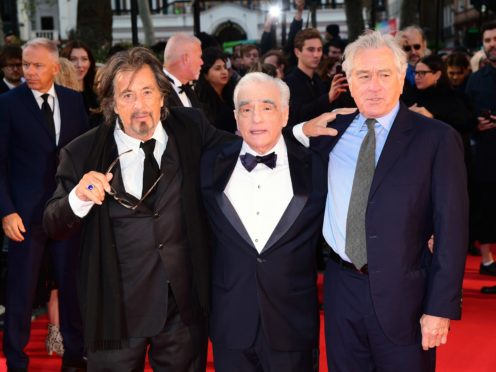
<point>90,187</point>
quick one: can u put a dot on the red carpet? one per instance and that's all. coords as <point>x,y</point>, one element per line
<point>471,344</point>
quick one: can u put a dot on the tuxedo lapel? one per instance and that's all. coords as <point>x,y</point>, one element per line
<point>300,170</point>
<point>65,114</point>
<point>223,169</point>
<point>169,167</point>
<point>397,141</point>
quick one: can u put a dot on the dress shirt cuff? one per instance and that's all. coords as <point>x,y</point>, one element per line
<point>300,136</point>
<point>79,207</point>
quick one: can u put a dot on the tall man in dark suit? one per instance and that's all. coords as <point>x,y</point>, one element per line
<point>395,178</point>
<point>133,185</point>
<point>182,64</point>
<point>264,196</point>
<point>38,118</point>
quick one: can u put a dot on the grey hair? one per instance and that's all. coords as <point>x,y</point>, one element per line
<point>374,40</point>
<point>177,44</point>
<point>260,77</point>
<point>41,42</point>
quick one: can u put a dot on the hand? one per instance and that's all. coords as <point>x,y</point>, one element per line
<point>485,123</point>
<point>421,110</point>
<point>434,331</point>
<point>338,86</point>
<point>13,227</point>
<point>318,126</point>
<point>430,244</point>
<point>268,23</point>
<point>100,183</point>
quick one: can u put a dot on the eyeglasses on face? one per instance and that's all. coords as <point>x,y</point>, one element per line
<point>126,203</point>
<point>12,66</point>
<point>408,48</point>
<point>263,108</point>
<point>422,73</point>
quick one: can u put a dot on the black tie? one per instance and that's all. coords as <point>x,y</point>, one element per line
<point>186,88</point>
<point>48,113</point>
<point>151,171</point>
<point>250,161</point>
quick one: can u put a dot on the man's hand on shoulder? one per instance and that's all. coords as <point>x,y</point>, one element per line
<point>13,227</point>
<point>318,126</point>
<point>434,331</point>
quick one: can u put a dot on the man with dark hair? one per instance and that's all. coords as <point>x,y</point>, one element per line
<point>132,184</point>
<point>458,70</point>
<point>38,118</point>
<point>11,65</point>
<point>309,95</point>
<point>250,55</point>
<point>481,90</point>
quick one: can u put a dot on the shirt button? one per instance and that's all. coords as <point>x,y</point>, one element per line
<point>259,187</point>
<point>258,213</point>
<point>256,240</point>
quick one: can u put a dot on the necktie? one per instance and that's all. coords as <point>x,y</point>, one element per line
<point>48,113</point>
<point>250,161</point>
<point>356,244</point>
<point>151,171</point>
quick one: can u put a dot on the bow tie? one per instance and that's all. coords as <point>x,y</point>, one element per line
<point>186,88</point>
<point>250,161</point>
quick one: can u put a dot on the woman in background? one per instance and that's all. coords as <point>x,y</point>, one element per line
<point>214,92</point>
<point>81,57</point>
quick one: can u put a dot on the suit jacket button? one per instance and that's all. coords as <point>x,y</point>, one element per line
<point>260,260</point>
<point>156,215</point>
<point>160,246</point>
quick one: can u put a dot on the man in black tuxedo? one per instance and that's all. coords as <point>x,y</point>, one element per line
<point>182,64</point>
<point>38,118</point>
<point>264,196</point>
<point>395,178</point>
<point>133,185</point>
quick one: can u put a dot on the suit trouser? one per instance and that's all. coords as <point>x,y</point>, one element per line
<point>355,341</point>
<point>261,358</point>
<point>177,348</point>
<point>23,266</point>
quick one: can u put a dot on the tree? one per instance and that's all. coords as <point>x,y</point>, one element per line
<point>94,23</point>
<point>146,20</point>
<point>409,13</point>
<point>354,18</point>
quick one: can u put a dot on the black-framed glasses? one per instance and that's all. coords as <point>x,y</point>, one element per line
<point>125,202</point>
<point>422,73</point>
<point>408,48</point>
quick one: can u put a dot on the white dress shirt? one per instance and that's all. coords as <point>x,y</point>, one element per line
<point>131,165</point>
<point>261,196</point>
<point>176,84</point>
<point>54,105</point>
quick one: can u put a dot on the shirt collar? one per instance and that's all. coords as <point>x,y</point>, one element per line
<point>385,121</point>
<point>175,81</point>
<point>133,143</point>
<point>38,94</point>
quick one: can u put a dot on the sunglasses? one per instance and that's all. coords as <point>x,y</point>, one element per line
<point>408,48</point>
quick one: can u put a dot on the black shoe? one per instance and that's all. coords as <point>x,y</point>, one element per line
<point>488,270</point>
<point>489,290</point>
<point>73,365</point>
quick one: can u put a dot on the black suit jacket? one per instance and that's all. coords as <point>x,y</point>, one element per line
<point>187,265</point>
<point>419,189</point>
<point>173,99</point>
<point>3,87</point>
<point>277,287</point>
<point>28,153</point>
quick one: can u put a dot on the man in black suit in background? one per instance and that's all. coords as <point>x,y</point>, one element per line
<point>132,183</point>
<point>264,196</point>
<point>37,119</point>
<point>182,64</point>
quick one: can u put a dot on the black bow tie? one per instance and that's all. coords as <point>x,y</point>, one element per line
<point>186,88</point>
<point>250,161</point>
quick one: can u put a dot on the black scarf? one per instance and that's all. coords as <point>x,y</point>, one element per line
<point>100,287</point>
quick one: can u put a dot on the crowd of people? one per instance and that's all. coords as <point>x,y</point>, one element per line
<point>156,201</point>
